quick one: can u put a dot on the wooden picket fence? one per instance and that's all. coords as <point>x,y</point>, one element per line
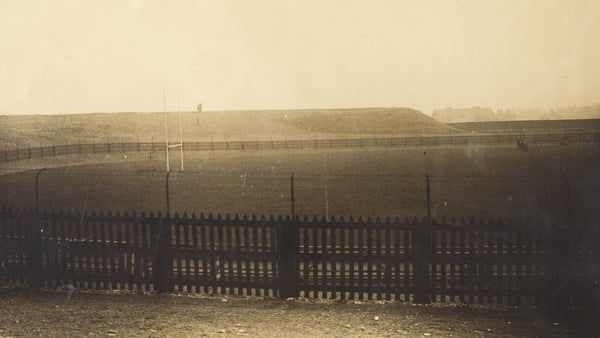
<point>405,260</point>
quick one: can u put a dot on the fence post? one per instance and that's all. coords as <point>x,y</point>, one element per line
<point>287,251</point>
<point>163,273</point>
<point>165,263</point>
<point>34,254</point>
<point>421,261</point>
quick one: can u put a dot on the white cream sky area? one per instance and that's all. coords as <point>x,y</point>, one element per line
<point>108,56</point>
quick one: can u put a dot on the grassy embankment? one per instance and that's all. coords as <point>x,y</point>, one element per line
<point>478,181</point>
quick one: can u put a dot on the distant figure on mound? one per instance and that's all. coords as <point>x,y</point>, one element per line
<point>522,145</point>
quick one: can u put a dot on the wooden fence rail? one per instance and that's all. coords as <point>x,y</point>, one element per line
<point>406,260</point>
<point>414,141</point>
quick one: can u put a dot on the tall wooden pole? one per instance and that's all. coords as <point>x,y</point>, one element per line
<point>326,190</point>
<point>168,199</point>
<point>180,132</point>
<point>37,191</point>
<point>166,129</point>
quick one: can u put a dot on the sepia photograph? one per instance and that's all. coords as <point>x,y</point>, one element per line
<point>300,168</point>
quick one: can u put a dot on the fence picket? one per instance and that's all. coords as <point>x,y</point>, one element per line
<point>99,262</point>
<point>315,256</point>
<point>187,247</point>
<point>369,260</point>
<point>408,262</point>
<point>305,254</point>
<point>205,244</point>
<point>238,256</point>
<point>193,260</point>
<point>212,256</point>
<point>146,243</point>
<point>378,258</point>
<point>361,258</point>
<point>461,261</point>
<point>264,261</point>
<point>470,262</point>
<point>247,252</point>
<point>175,223</point>
<point>353,252</point>
<point>397,258</point>
<point>334,227</point>
<point>453,261</point>
<point>229,254</point>
<point>388,261</point>
<point>519,268</point>
<point>76,249</point>
<point>256,258</point>
<point>433,273</point>
<point>443,233</point>
<point>501,296</point>
<point>343,260</point>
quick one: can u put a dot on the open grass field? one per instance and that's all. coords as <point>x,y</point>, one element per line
<point>550,183</point>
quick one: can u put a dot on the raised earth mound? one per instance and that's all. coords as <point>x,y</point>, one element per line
<point>43,130</point>
<point>394,121</point>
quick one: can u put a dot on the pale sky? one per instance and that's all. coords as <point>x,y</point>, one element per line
<point>116,55</point>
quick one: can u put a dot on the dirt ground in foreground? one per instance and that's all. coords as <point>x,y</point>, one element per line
<point>32,313</point>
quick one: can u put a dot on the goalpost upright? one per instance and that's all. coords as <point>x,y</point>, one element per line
<point>167,145</point>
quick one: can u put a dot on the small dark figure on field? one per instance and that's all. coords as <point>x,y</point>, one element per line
<point>522,145</point>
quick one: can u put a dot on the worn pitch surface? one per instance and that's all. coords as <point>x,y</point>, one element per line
<point>549,183</point>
